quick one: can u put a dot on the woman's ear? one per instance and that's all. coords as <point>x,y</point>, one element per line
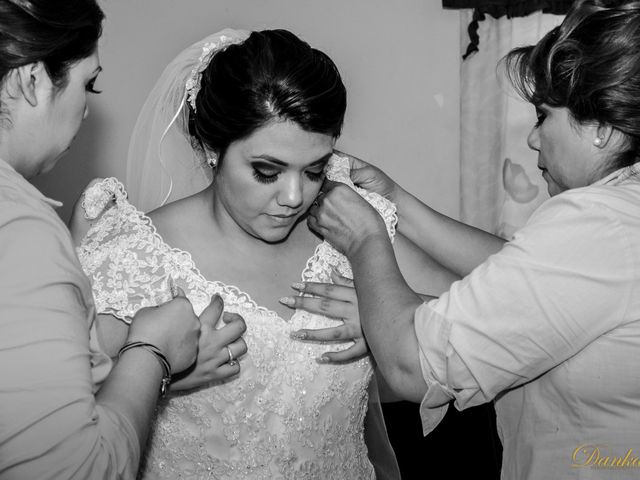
<point>30,80</point>
<point>604,132</point>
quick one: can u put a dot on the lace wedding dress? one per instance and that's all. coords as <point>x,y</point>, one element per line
<point>285,415</point>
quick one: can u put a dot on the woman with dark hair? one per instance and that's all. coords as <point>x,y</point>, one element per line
<point>548,323</point>
<point>64,413</point>
<point>240,130</point>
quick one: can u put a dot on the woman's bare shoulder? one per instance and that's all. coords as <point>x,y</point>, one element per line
<point>186,224</point>
<point>179,213</point>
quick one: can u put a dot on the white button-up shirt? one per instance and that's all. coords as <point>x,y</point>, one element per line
<point>549,327</point>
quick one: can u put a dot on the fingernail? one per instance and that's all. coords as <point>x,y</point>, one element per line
<point>298,335</point>
<point>322,359</point>
<point>288,301</point>
<point>297,286</point>
<point>173,288</point>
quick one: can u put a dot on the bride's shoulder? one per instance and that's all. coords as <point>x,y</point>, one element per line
<point>171,212</point>
<point>178,213</point>
<point>180,219</point>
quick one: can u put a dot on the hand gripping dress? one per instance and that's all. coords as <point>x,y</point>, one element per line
<point>285,416</point>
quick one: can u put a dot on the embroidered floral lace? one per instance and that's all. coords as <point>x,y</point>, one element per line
<point>285,416</point>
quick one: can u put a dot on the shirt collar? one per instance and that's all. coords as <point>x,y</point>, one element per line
<point>10,173</point>
<point>620,175</point>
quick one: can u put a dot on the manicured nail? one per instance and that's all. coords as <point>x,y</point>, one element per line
<point>173,288</point>
<point>298,335</point>
<point>298,286</point>
<point>288,301</point>
<point>322,359</point>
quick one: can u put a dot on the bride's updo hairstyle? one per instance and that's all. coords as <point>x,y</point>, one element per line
<point>58,33</point>
<point>590,65</point>
<point>271,76</point>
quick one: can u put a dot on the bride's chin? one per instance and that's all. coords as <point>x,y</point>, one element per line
<point>277,238</point>
<point>276,235</point>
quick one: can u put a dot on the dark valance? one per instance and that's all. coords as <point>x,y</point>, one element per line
<point>501,8</point>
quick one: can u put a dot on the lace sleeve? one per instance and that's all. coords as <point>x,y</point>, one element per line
<point>120,255</point>
<point>340,171</point>
<point>326,257</point>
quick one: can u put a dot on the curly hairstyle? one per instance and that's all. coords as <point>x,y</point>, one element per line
<point>590,64</point>
<point>271,76</point>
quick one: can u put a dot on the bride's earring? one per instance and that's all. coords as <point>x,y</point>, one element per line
<point>212,160</point>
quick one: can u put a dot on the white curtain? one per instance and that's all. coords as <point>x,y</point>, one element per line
<point>500,183</point>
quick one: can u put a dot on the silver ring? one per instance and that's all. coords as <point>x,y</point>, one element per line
<point>232,360</point>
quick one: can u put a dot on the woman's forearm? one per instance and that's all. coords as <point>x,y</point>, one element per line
<point>455,245</point>
<point>56,427</point>
<point>132,389</point>
<point>387,306</point>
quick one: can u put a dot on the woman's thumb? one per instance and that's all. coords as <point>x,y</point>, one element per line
<point>211,314</point>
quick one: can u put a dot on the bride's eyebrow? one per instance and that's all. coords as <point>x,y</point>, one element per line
<point>322,160</point>
<point>268,158</point>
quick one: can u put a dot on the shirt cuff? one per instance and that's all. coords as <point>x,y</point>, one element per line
<point>123,442</point>
<point>432,332</point>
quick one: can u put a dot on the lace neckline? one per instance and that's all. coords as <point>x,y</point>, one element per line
<point>318,267</point>
<point>188,262</point>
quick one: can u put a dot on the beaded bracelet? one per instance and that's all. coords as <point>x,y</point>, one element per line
<point>166,366</point>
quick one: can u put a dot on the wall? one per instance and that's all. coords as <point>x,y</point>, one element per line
<point>399,62</point>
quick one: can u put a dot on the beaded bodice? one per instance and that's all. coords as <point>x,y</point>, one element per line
<point>285,415</point>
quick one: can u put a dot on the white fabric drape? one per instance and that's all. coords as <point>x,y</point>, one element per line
<point>500,184</point>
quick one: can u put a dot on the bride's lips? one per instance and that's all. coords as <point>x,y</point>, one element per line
<point>282,218</point>
<point>284,215</point>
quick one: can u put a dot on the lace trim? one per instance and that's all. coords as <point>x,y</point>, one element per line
<point>325,257</point>
<point>181,257</point>
<point>315,269</point>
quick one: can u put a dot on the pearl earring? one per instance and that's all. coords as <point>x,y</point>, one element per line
<point>212,161</point>
<point>598,141</point>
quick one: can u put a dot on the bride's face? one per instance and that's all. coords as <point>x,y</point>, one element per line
<point>268,180</point>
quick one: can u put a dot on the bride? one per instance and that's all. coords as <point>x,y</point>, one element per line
<point>233,145</point>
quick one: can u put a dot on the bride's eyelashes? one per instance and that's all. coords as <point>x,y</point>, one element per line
<point>265,173</point>
<point>266,176</point>
<point>315,176</point>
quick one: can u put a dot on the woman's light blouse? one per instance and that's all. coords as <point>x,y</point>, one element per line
<point>549,327</point>
<point>50,366</point>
